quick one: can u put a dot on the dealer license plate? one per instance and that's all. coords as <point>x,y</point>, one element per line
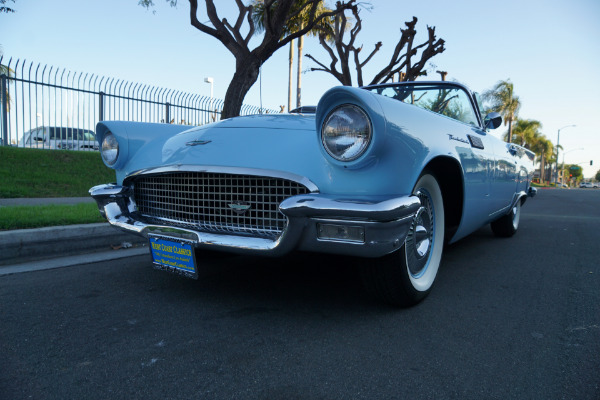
<point>173,255</point>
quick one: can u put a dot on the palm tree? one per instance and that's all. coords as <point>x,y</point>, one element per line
<point>4,70</point>
<point>504,101</point>
<point>525,132</point>
<point>296,24</point>
<point>543,148</point>
<point>552,159</point>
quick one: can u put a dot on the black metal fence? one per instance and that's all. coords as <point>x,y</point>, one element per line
<point>39,96</point>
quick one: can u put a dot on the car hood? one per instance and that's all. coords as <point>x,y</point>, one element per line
<point>272,143</point>
<point>271,121</point>
<point>279,145</point>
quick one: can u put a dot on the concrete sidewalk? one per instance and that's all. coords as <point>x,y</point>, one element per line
<point>71,261</point>
<point>96,240</point>
<point>45,201</point>
<point>26,245</point>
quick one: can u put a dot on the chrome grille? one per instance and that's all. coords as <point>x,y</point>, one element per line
<point>215,202</point>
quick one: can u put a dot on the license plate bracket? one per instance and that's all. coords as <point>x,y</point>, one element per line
<point>173,255</point>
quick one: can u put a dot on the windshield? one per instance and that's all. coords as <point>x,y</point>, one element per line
<point>447,100</point>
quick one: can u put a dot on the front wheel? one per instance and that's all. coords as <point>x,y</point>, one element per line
<point>405,277</point>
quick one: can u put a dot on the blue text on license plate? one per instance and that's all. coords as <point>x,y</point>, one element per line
<point>173,255</point>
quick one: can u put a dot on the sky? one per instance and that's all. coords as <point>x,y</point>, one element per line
<point>549,49</point>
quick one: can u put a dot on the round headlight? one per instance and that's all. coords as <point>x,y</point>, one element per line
<point>110,149</point>
<point>346,132</point>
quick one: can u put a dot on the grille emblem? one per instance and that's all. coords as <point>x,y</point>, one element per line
<point>239,207</point>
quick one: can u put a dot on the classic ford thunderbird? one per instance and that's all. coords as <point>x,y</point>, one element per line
<point>387,173</point>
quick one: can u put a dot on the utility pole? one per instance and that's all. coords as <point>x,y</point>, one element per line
<point>558,144</point>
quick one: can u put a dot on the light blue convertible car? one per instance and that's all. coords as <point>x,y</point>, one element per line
<point>387,173</point>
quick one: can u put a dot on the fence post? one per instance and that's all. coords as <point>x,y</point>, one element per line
<point>168,113</point>
<point>101,106</point>
<point>4,109</point>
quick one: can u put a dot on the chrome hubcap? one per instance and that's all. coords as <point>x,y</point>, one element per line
<point>422,240</point>
<point>420,237</point>
<point>516,215</point>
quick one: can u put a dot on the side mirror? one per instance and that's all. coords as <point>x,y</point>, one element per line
<point>492,120</point>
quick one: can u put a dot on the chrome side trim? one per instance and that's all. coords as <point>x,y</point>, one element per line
<point>227,170</point>
<point>373,210</point>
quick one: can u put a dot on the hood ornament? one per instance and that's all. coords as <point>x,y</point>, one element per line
<point>239,207</point>
<point>198,142</point>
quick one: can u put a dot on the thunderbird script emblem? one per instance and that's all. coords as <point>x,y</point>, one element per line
<point>198,142</point>
<point>239,207</point>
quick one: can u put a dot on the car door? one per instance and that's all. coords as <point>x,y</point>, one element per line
<point>505,177</point>
<point>475,148</point>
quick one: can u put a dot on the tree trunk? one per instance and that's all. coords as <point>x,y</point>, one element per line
<point>509,138</point>
<point>299,72</point>
<point>291,59</point>
<point>246,74</point>
<point>542,168</point>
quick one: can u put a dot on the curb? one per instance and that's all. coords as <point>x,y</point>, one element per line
<point>23,245</point>
<point>70,261</point>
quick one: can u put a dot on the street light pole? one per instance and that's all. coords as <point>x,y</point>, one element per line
<point>211,81</point>
<point>557,144</point>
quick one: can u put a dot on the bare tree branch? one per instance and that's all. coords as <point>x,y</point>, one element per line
<point>360,65</point>
<point>323,67</point>
<point>431,48</point>
<point>242,9</point>
<point>334,60</point>
<point>400,61</point>
<point>277,16</point>
<point>197,24</point>
<point>375,50</point>
<point>406,39</point>
<point>245,12</point>
<point>340,7</point>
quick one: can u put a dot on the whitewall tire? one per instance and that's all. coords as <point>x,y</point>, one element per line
<point>405,277</point>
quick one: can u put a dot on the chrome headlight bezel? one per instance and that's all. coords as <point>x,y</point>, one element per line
<point>109,149</point>
<point>347,132</point>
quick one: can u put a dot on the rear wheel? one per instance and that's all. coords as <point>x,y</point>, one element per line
<point>405,277</point>
<point>508,224</point>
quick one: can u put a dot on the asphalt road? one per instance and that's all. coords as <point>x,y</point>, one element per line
<point>511,318</point>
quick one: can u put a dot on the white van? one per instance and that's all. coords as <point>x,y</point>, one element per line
<point>55,137</point>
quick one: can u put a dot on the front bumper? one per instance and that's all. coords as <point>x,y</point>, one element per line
<point>382,224</point>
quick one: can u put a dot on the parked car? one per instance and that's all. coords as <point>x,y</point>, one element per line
<point>587,185</point>
<point>63,138</point>
<point>386,173</point>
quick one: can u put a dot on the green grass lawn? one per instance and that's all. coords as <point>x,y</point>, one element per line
<point>26,217</point>
<point>49,173</point>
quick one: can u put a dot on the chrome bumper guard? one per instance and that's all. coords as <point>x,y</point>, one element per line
<point>384,223</point>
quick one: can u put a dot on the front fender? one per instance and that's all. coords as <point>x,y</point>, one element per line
<point>133,136</point>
